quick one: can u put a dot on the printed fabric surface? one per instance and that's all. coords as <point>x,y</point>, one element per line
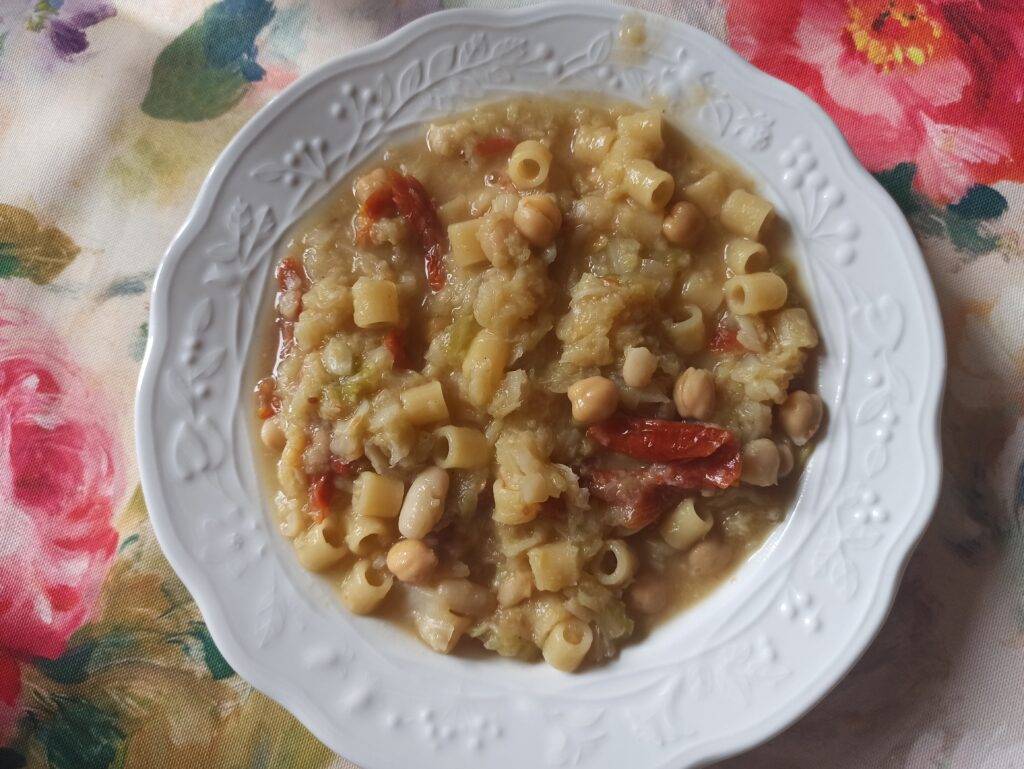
<point>111,113</point>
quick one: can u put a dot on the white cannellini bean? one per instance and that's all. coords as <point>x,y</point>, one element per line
<point>424,503</point>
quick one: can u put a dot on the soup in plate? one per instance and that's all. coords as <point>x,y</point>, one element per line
<point>541,379</point>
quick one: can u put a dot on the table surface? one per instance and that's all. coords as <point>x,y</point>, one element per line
<point>111,112</point>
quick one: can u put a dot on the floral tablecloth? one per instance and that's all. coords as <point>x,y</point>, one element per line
<point>111,112</point>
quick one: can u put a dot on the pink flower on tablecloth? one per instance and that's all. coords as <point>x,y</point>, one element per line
<point>939,83</point>
<point>10,691</point>
<point>61,474</point>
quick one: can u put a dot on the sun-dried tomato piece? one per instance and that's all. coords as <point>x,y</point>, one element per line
<point>379,205</point>
<point>414,205</point>
<point>394,340</point>
<point>658,440</point>
<point>634,500</point>
<point>321,491</point>
<point>718,471</point>
<point>637,497</point>
<point>494,145</point>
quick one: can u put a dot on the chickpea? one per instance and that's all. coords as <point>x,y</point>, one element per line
<point>411,561</point>
<point>639,366</point>
<point>367,184</point>
<point>694,393</point>
<point>424,503</point>
<point>786,460</point>
<point>710,557</point>
<point>761,462</point>
<point>538,218</point>
<point>272,434</point>
<point>593,399</point>
<point>648,595</point>
<point>801,415</point>
<point>684,224</point>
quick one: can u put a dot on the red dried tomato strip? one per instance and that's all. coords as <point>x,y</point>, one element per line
<point>718,471</point>
<point>379,205</point>
<point>414,204</point>
<point>640,496</point>
<point>321,490</point>
<point>658,440</point>
<point>394,340</point>
<point>494,145</point>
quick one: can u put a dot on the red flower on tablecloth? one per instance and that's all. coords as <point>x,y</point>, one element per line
<point>937,83</point>
<point>60,478</point>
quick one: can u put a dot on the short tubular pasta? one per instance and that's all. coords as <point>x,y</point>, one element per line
<point>759,292</point>
<point>688,333</point>
<point>709,193</point>
<point>554,566</point>
<point>529,165</point>
<point>366,536</point>
<point>684,527</point>
<point>744,256</point>
<point>648,185</point>
<point>465,246</point>
<point>615,564</point>
<point>461,448</point>
<point>591,144</point>
<point>747,214</point>
<point>315,549</point>
<point>374,302</point>
<point>365,587</point>
<point>376,496</point>
<point>567,645</point>
<point>644,128</point>
<point>425,404</point>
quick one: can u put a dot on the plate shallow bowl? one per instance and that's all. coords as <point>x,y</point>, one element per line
<point>715,680</point>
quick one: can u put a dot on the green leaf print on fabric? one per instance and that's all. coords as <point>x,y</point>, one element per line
<point>208,68</point>
<point>963,222</point>
<point>29,250</point>
<point>215,663</point>
<point>77,734</point>
<point>79,659</point>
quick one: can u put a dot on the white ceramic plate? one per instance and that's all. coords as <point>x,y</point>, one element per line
<point>715,680</point>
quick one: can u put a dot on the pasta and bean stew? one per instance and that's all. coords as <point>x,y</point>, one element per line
<point>540,380</point>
